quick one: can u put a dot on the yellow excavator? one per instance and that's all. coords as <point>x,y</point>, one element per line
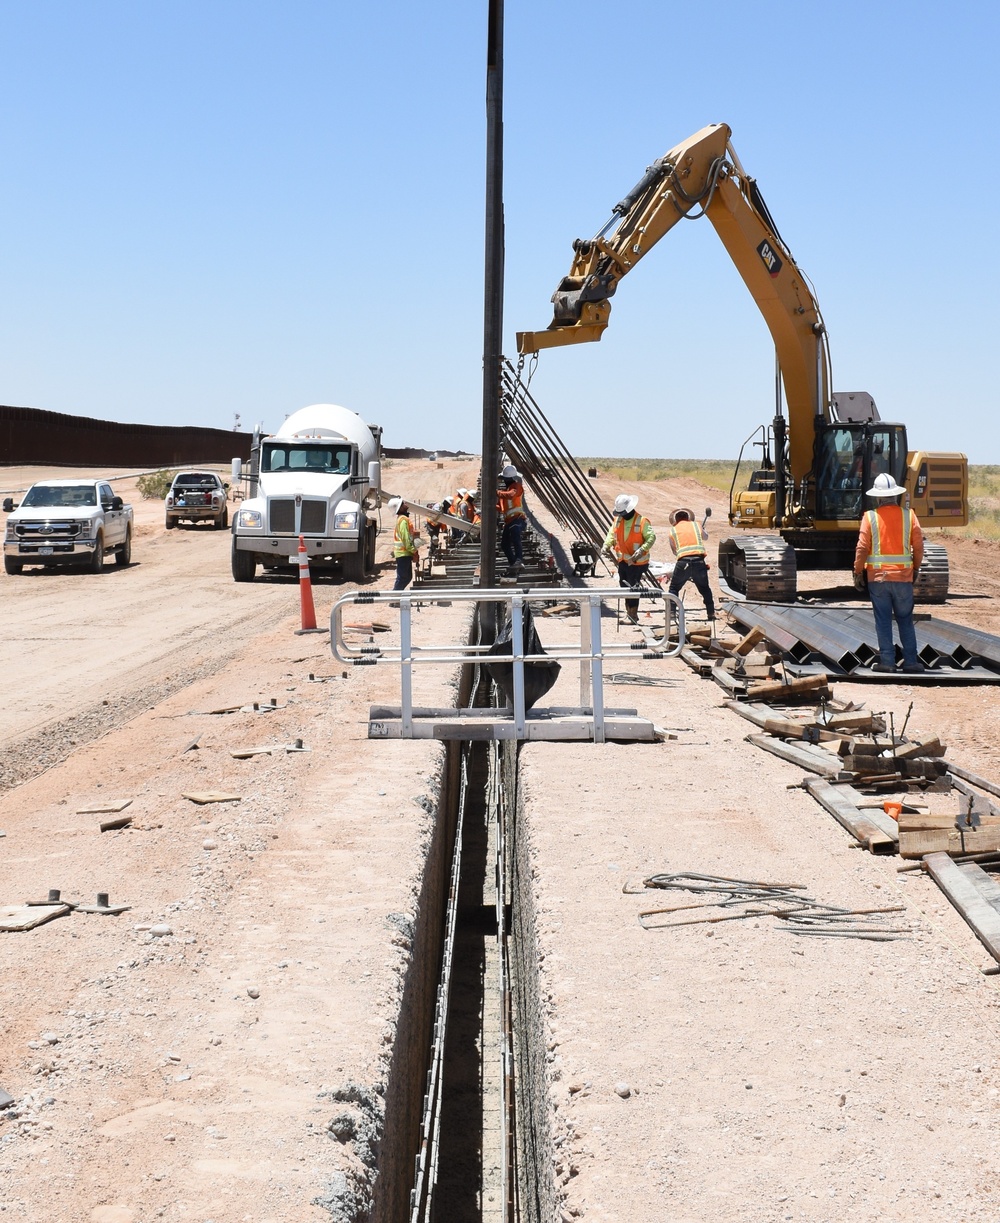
<point>822,449</point>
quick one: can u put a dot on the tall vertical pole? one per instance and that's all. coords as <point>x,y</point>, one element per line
<point>493,305</point>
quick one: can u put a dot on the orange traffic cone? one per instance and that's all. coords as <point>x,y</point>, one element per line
<point>305,591</point>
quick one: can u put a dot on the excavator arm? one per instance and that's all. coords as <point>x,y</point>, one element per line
<point>703,176</point>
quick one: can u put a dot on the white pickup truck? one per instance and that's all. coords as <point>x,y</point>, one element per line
<point>67,522</point>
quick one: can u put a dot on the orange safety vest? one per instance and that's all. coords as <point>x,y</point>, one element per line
<point>402,541</point>
<point>892,538</point>
<point>510,502</point>
<point>625,545</point>
<point>687,539</point>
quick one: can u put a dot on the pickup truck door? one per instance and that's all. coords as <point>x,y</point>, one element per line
<point>114,520</point>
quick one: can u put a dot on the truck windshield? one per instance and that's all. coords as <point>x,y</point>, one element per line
<point>61,495</point>
<point>333,459</point>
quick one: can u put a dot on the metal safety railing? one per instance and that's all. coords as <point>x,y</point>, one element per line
<point>590,652</point>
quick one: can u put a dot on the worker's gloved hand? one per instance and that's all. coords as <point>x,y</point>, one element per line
<point>859,582</point>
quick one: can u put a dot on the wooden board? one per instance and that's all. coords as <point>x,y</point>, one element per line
<point>865,827</point>
<point>212,796</point>
<point>777,689</point>
<point>814,759</point>
<point>110,807</point>
<point>26,917</point>
<point>957,884</point>
<point>949,841</point>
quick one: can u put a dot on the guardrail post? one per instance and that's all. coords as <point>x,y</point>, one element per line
<point>596,668</point>
<point>517,657</point>
<point>406,659</point>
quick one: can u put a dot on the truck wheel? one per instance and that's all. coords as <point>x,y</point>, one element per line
<point>244,565</point>
<point>222,522</point>
<point>123,556</point>
<point>353,566</point>
<point>12,565</point>
<point>169,523</point>
<point>97,556</point>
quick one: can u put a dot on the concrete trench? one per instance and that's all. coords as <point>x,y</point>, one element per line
<point>493,1163</point>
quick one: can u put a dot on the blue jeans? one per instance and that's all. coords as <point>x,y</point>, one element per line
<point>404,572</point>
<point>894,599</point>
<point>510,541</point>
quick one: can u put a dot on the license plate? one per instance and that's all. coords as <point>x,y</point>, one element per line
<point>44,551</point>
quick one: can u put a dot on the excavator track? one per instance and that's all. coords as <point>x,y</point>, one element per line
<point>931,585</point>
<point>760,568</point>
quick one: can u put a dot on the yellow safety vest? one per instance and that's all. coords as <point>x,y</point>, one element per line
<point>402,538</point>
<point>687,539</point>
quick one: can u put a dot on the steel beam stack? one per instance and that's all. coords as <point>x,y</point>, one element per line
<point>549,469</point>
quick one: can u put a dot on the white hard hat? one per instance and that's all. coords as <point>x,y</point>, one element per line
<point>885,486</point>
<point>625,503</point>
<point>463,492</point>
<point>510,472</point>
<point>395,504</point>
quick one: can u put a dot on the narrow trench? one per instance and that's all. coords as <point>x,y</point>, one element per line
<point>483,1153</point>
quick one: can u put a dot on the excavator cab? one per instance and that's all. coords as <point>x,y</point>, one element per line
<point>849,455</point>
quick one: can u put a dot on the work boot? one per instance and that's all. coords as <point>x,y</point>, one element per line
<point>914,668</point>
<point>884,667</point>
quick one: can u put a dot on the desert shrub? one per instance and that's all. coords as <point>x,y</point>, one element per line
<point>155,484</point>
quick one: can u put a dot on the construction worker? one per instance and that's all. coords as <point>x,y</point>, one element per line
<point>687,543</point>
<point>457,510</point>
<point>405,544</point>
<point>890,550</point>
<point>628,542</point>
<point>510,504</point>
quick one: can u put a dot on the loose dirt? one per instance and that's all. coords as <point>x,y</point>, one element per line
<point>195,1075</point>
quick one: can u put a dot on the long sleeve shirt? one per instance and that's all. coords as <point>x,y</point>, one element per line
<point>648,536</point>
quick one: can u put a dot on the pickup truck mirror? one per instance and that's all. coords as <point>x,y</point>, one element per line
<point>224,484</point>
<point>117,503</point>
<point>8,505</point>
<point>708,511</point>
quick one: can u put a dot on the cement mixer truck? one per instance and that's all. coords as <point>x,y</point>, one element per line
<point>320,477</point>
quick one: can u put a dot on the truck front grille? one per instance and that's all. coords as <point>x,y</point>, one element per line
<point>314,517</point>
<point>43,531</point>
<point>281,516</point>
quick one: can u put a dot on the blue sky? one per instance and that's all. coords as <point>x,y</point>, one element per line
<point>222,207</point>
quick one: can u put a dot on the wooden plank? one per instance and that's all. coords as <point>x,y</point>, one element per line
<point>801,730</point>
<point>979,782</point>
<point>27,917</point>
<point>815,760</point>
<point>110,807</point>
<point>747,642</point>
<point>863,827</point>
<point>776,689</point>
<point>211,796</point>
<point>860,721</point>
<point>929,747</point>
<point>952,841</point>
<point>978,913</point>
<point>122,821</point>
<point>984,883</point>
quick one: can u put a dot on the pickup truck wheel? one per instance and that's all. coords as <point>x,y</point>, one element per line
<point>169,523</point>
<point>244,565</point>
<point>222,522</point>
<point>97,556</point>
<point>12,566</point>
<point>123,556</point>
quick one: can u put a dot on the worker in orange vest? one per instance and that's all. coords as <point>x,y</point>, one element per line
<point>687,543</point>
<point>628,542</point>
<point>889,552</point>
<point>510,505</point>
<point>405,544</point>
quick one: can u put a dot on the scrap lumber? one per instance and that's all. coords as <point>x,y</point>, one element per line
<point>814,759</point>
<point>776,690</point>
<point>960,884</point>
<point>974,779</point>
<point>929,747</point>
<point>746,643</point>
<point>950,841</point>
<point>866,827</point>
<point>810,731</point>
<point>859,721</point>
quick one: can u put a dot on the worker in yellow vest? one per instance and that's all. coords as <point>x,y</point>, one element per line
<point>405,544</point>
<point>889,552</point>
<point>687,543</point>
<point>628,542</point>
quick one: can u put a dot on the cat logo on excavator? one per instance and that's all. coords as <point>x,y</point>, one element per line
<point>771,260</point>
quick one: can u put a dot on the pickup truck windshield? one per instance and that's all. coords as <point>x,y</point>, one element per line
<point>335,460</point>
<point>62,495</point>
